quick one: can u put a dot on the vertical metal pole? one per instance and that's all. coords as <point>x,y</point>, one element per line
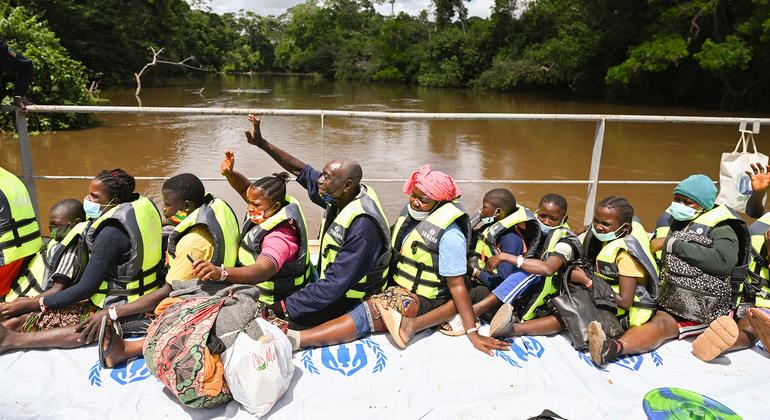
<point>593,176</point>
<point>323,141</point>
<point>26,160</point>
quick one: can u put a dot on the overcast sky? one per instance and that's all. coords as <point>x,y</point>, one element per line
<point>276,7</point>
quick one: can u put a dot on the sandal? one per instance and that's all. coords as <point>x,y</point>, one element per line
<point>454,327</point>
<point>721,334</point>
<point>392,320</point>
<point>102,332</point>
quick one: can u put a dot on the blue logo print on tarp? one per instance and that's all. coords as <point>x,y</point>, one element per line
<point>631,362</point>
<point>347,359</point>
<point>529,347</point>
<point>124,373</point>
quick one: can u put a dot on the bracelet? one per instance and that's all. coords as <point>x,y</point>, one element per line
<point>519,261</point>
<point>43,308</point>
<point>224,273</point>
<point>113,312</point>
<point>470,331</point>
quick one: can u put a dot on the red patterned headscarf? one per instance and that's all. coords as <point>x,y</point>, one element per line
<point>435,184</point>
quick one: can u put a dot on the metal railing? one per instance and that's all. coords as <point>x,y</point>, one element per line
<point>592,182</point>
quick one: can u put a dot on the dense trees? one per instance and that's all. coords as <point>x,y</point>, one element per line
<point>706,52</point>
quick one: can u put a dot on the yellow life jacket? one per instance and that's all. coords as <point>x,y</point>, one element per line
<point>486,244</point>
<point>416,264</point>
<point>293,275</point>
<point>637,243</point>
<point>219,220</point>
<point>139,275</point>
<point>19,231</point>
<point>759,275</point>
<point>36,277</point>
<point>549,286</point>
<point>366,204</point>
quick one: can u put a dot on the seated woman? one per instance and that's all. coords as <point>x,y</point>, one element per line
<point>431,233</point>
<point>52,269</point>
<point>204,228</point>
<point>124,246</point>
<point>273,252</point>
<point>528,283</point>
<point>699,284</point>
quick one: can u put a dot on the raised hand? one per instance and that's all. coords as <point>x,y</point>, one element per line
<point>760,177</point>
<point>226,167</point>
<point>255,135</point>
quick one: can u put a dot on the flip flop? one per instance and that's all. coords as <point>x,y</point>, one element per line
<point>760,321</point>
<point>392,320</point>
<point>721,334</point>
<point>454,327</point>
<point>102,352</point>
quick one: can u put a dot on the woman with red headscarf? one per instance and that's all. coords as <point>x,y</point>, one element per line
<point>430,237</point>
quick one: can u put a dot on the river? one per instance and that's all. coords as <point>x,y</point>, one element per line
<point>167,145</point>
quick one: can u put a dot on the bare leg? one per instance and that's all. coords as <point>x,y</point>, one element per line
<point>760,323</point>
<point>60,338</point>
<point>411,326</point>
<point>747,337</point>
<point>122,350</point>
<point>650,336</point>
<point>339,330</point>
<point>546,325</point>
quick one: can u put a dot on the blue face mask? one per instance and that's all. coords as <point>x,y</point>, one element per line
<point>681,212</point>
<point>545,228</point>
<point>327,198</point>
<point>93,209</point>
<point>606,237</point>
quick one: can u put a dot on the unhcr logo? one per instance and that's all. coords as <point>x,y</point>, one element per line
<point>632,362</point>
<point>528,347</point>
<point>125,373</point>
<point>346,359</point>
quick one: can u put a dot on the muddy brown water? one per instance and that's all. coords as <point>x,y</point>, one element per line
<point>148,145</point>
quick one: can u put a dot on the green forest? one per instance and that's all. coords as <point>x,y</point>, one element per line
<point>709,53</point>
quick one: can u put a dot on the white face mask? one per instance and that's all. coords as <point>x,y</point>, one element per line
<point>417,215</point>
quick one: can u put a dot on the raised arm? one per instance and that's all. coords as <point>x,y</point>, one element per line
<point>760,182</point>
<point>288,162</point>
<point>237,180</point>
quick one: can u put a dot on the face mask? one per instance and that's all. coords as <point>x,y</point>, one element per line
<point>606,237</point>
<point>256,217</point>
<point>93,210</point>
<point>417,215</point>
<point>545,228</point>
<point>681,212</point>
<point>177,217</point>
<point>327,198</point>
<point>58,233</point>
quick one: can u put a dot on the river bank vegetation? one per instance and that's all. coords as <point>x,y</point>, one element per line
<point>710,53</point>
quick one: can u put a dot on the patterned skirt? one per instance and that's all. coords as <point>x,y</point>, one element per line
<point>68,316</point>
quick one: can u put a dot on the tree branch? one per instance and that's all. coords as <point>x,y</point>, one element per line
<point>155,62</point>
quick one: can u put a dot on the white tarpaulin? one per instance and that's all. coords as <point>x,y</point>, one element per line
<point>436,377</point>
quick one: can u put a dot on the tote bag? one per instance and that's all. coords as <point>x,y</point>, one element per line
<point>734,183</point>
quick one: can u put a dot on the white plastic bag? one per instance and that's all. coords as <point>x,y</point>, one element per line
<point>734,184</point>
<point>259,372</point>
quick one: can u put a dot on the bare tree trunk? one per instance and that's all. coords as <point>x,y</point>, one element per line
<point>148,66</point>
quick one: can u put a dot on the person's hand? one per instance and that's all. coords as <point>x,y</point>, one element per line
<point>18,306</point>
<point>495,260</point>
<point>255,135</point>
<point>486,344</point>
<point>760,177</point>
<point>579,276</point>
<point>89,329</point>
<point>656,244</point>
<point>226,167</point>
<point>205,270</point>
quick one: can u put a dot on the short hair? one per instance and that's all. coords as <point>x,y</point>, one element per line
<point>556,199</point>
<point>71,209</point>
<point>273,187</point>
<point>621,205</point>
<point>118,183</point>
<point>352,170</point>
<point>186,187</point>
<point>502,198</point>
